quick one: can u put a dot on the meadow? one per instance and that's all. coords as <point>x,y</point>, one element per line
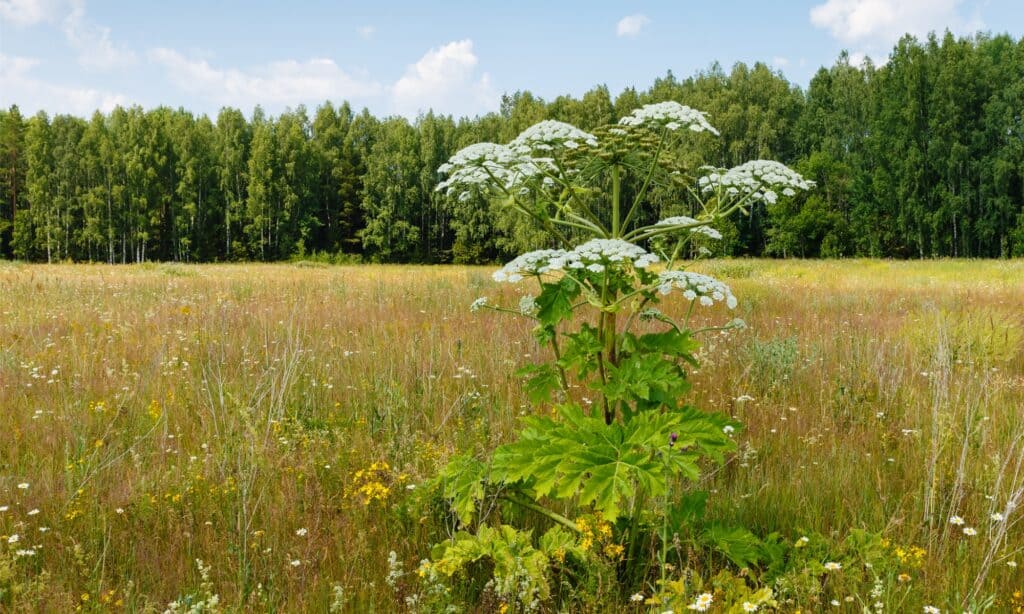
<point>260,437</point>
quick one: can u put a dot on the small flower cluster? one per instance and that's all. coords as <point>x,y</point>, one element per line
<point>371,484</point>
<point>694,226</point>
<point>595,256</point>
<point>702,603</point>
<point>596,535</point>
<point>759,178</point>
<point>671,115</point>
<point>530,263</point>
<point>696,286</point>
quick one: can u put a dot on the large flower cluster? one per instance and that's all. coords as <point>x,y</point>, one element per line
<point>696,286</point>
<point>595,256</point>
<point>548,135</point>
<point>671,115</point>
<point>484,166</point>
<point>759,178</point>
<point>481,165</point>
<point>694,226</point>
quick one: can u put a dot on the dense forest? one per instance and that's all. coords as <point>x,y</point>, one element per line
<point>922,156</point>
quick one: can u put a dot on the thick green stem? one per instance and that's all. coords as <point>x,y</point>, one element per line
<point>606,331</point>
<point>540,509</point>
<point>616,197</point>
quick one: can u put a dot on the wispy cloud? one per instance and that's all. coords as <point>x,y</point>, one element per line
<point>92,42</point>
<point>30,12</point>
<point>17,78</point>
<point>288,82</point>
<point>631,25</point>
<point>366,32</point>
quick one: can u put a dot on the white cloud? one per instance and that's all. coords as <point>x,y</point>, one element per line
<point>444,80</point>
<point>631,25</point>
<point>34,94</point>
<point>780,62</point>
<point>92,42</point>
<point>367,32</point>
<point>30,12</point>
<point>278,84</point>
<point>880,23</point>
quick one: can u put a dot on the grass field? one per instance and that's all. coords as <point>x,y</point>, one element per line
<point>275,422</point>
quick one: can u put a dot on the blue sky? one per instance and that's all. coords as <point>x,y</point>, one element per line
<point>73,56</point>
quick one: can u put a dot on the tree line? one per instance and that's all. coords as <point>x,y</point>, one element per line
<point>922,156</point>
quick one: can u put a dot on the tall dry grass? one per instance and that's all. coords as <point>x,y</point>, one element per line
<point>273,421</point>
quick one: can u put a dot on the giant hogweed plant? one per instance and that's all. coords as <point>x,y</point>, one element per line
<point>604,274</point>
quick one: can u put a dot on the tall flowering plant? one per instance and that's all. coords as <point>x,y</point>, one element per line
<point>604,272</point>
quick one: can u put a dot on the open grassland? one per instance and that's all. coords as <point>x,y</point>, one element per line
<point>277,422</point>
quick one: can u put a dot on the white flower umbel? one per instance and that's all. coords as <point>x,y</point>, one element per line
<point>547,136</point>
<point>759,179</point>
<point>531,263</point>
<point>696,287</point>
<point>482,166</point>
<point>604,252</point>
<point>688,223</point>
<point>595,256</point>
<point>670,115</point>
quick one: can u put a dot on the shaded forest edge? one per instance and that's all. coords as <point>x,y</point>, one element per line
<point>920,157</point>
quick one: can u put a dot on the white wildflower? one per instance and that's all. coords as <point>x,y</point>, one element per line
<point>702,603</point>
<point>548,135</point>
<point>527,304</point>
<point>694,285</point>
<point>13,539</point>
<point>930,609</point>
<point>637,597</point>
<point>482,166</point>
<point>691,224</point>
<point>23,486</point>
<point>531,263</point>
<point>478,304</point>
<point>970,531</point>
<point>997,517</point>
<point>671,115</point>
<point>757,178</point>
<point>301,532</point>
<point>956,520</point>
<point>833,566</point>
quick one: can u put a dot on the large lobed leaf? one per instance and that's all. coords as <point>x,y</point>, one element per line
<point>605,465</point>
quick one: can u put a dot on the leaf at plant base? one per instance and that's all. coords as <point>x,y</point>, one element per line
<point>517,564</point>
<point>738,545</point>
<point>462,481</point>
<point>581,456</point>
<point>558,542</point>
